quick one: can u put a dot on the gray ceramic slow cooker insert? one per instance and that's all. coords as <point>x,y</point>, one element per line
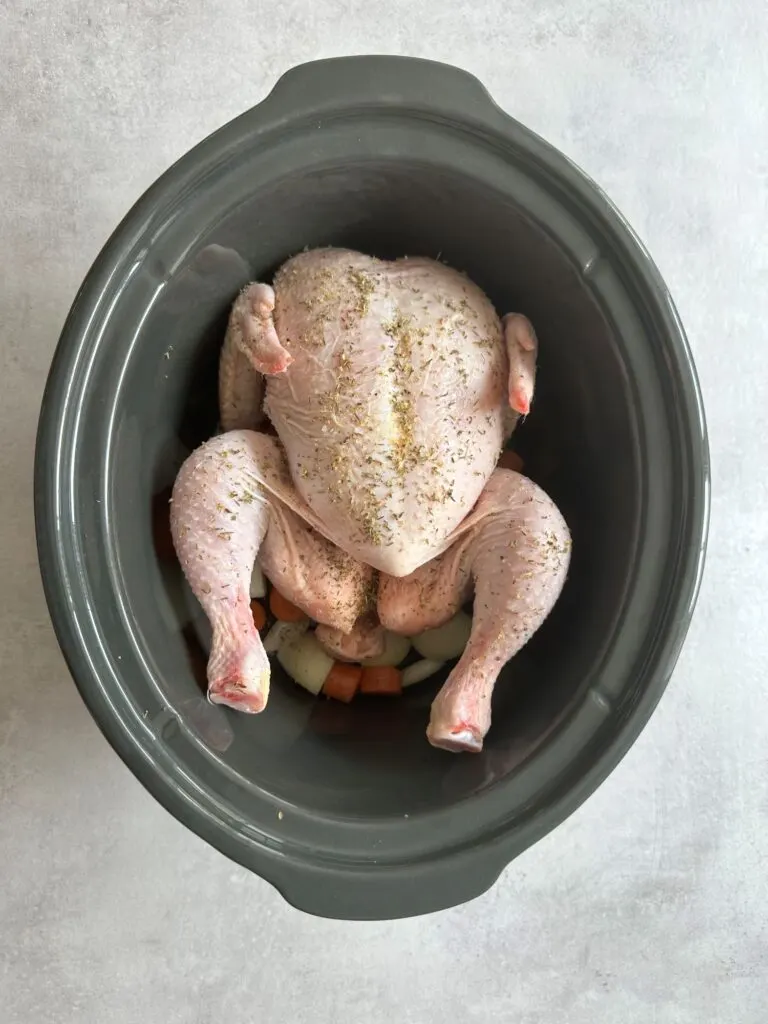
<point>347,809</point>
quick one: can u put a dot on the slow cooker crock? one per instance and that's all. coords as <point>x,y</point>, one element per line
<point>347,810</point>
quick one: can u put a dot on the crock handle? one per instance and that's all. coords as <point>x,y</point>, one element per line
<point>318,87</point>
<point>410,891</point>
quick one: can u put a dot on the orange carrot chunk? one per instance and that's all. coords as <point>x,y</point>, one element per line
<point>384,679</point>
<point>510,460</point>
<point>283,609</point>
<point>343,681</point>
<point>161,527</point>
<point>259,615</point>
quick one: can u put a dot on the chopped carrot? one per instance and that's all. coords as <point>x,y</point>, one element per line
<point>259,615</point>
<point>161,527</point>
<point>342,681</point>
<point>510,460</point>
<point>385,679</point>
<point>283,609</point>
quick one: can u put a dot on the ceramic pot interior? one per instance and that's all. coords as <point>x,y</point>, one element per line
<point>371,758</point>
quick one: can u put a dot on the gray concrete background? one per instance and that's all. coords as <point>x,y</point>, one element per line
<point>651,904</point>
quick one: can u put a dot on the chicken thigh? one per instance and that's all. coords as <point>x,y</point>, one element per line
<point>512,559</point>
<point>227,508</point>
<point>392,386</point>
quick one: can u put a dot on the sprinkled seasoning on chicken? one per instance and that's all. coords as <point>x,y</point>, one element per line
<point>392,386</point>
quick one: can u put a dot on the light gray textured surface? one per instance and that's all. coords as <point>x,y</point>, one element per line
<point>651,903</point>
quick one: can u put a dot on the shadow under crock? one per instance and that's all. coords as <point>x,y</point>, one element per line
<point>347,809</point>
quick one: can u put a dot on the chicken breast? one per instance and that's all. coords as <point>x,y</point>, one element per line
<point>391,409</point>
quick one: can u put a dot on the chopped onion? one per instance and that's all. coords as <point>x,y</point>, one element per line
<point>420,670</point>
<point>446,641</point>
<point>396,649</point>
<point>258,583</point>
<point>283,633</point>
<point>306,662</point>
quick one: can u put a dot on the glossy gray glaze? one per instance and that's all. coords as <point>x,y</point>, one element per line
<point>347,810</point>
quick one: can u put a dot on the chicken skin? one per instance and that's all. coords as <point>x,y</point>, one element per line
<point>392,386</point>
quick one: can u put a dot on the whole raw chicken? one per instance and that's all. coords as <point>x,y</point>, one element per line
<point>392,386</point>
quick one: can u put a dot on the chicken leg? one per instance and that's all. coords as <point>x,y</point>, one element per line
<point>233,500</point>
<point>514,555</point>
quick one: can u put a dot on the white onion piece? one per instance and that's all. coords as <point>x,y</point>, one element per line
<point>446,641</point>
<point>306,662</point>
<point>420,670</point>
<point>283,633</point>
<point>258,583</point>
<point>396,649</point>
